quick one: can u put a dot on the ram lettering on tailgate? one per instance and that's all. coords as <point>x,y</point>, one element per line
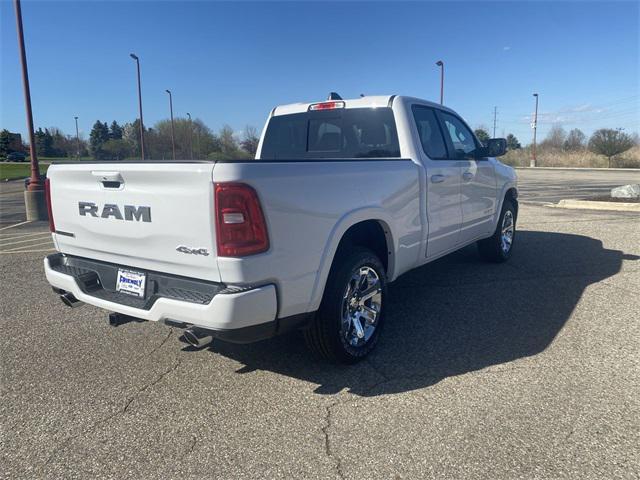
<point>131,212</point>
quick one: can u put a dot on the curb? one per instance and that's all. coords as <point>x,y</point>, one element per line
<point>583,169</point>
<point>593,205</point>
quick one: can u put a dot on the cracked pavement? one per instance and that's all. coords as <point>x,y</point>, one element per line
<point>522,370</point>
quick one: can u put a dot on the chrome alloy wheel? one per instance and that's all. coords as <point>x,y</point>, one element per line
<point>508,229</point>
<point>361,306</point>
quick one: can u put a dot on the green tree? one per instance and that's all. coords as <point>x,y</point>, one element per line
<point>115,132</point>
<point>482,135</point>
<point>609,142</point>
<point>97,138</point>
<point>116,149</point>
<point>512,142</point>
<point>44,143</point>
<point>5,141</point>
<point>575,140</point>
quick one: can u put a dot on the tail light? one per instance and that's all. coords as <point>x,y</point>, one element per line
<point>47,195</point>
<point>241,228</point>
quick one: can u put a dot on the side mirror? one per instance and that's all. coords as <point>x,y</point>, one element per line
<point>496,147</point>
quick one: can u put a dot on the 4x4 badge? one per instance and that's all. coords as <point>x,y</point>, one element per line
<point>193,251</point>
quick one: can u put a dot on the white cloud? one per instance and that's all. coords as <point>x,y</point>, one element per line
<point>506,48</point>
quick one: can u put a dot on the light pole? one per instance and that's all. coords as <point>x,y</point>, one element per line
<point>440,63</point>
<point>173,136</point>
<point>135,57</point>
<point>535,127</point>
<point>77,140</point>
<point>34,196</point>
<point>190,137</point>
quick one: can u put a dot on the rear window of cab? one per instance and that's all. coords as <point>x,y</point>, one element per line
<point>335,133</point>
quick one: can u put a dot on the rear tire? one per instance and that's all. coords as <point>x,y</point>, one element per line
<point>498,247</point>
<point>348,324</point>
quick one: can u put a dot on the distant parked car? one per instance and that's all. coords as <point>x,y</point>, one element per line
<point>16,157</point>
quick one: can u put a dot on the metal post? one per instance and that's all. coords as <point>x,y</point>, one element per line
<point>77,140</point>
<point>135,57</point>
<point>34,184</point>
<point>190,137</point>
<point>535,127</point>
<point>495,113</point>
<point>440,63</point>
<point>173,135</point>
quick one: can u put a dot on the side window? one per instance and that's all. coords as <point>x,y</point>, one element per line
<point>460,136</point>
<point>429,132</point>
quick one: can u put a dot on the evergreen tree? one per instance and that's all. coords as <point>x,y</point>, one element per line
<point>97,138</point>
<point>44,142</point>
<point>115,132</point>
<point>512,142</point>
<point>482,135</point>
<point>5,141</point>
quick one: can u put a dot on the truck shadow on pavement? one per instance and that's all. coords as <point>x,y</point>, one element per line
<point>455,315</point>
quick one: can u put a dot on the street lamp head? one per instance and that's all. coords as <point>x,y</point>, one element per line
<point>168,91</point>
<point>75,118</point>
<point>189,115</point>
<point>134,56</point>
<point>440,63</point>
<point>535,94</point>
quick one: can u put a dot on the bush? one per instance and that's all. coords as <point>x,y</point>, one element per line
<point>578,159</point>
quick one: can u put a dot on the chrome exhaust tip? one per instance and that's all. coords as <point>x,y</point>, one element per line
<point>70,301</point>
<point>197,337</point>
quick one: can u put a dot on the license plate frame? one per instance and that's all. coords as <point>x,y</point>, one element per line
<point>131,282</point>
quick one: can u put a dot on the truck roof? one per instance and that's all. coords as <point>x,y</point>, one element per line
<point>361,102</point>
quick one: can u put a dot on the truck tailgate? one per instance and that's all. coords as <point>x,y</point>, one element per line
<point>152,216</point>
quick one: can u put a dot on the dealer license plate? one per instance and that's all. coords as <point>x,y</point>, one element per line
<point>131,283</point>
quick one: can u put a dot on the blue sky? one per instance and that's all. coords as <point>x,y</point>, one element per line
<point>230,63</point>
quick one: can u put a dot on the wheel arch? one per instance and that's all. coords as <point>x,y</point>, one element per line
<point>509,192</point>
<point>370,229</point>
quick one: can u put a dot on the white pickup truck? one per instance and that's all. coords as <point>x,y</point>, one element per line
<point>343,197</point>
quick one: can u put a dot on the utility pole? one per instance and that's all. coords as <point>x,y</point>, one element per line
<point>173,135</point>
<point>495,114</point>
<point>534,125</point>
<point>190,137</point>
<point>440,63</point>
<point>34,197</point>
<point>77,140</point>
<point>135,57</point>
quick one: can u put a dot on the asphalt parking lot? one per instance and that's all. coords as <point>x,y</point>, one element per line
<point>523,370</point>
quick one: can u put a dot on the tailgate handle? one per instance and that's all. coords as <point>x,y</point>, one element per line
<point>109,179</point>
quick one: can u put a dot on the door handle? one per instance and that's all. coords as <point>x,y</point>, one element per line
<point>437,178</point>
<point>109,179</point>
<point>467,176</point>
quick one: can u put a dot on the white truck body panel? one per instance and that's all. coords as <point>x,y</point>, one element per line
<point>181,202</point>
<point>426,207</point>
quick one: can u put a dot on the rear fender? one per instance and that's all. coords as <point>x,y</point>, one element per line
<point>347,221</point>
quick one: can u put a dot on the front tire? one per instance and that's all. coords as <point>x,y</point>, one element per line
<point>498,247</point>
<point>348,324</point>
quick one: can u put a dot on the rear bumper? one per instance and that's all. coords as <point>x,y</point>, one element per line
<point>240,317</point>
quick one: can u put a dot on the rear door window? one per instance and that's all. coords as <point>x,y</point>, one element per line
<point>339,133</point>
<point>429,132</point>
